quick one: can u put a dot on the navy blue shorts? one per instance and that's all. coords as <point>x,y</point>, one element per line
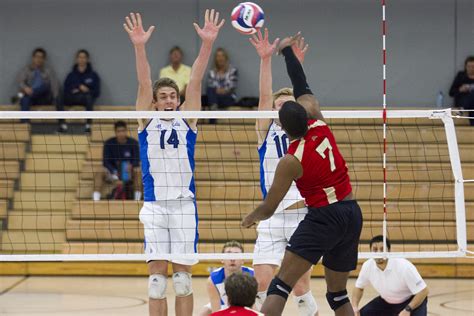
<point>332,232</point>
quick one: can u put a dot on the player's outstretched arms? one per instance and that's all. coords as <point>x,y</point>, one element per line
<point>265,50</point>
<point>288,170</point>
<point>208,34</point>
<point>301,89</point>
<point>134,27</point>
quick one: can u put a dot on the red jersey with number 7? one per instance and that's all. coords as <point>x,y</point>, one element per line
<point>325,178</point>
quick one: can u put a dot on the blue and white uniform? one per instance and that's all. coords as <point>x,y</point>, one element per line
<point>275,232</point>
<point>218,277</point>
<point>169,212</point>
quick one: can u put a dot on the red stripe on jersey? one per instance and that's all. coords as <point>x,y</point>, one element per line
<point>325,177</point>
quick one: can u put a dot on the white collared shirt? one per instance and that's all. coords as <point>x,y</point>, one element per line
<point>398,282</point>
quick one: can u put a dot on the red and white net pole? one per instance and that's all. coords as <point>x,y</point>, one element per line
<point>384,115</point>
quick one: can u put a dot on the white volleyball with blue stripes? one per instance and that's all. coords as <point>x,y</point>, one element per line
<point>247,17</point>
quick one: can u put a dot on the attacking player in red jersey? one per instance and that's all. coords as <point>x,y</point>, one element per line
<point>333,224</point>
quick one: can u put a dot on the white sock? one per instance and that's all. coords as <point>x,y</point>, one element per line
<point>260,299</point>
<point>96,196</point>
<point>306,304</point>
<point>138,195</point>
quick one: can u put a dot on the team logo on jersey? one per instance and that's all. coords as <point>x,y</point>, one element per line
<point>176,124</point>
<point>314,138</point>
<point>158,127</point>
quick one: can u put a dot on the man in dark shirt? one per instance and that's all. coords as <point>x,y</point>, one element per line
<point>462,89</point>
<point>121,162</point>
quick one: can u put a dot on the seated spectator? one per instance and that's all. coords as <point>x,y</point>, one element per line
<point>241,290</point>
<point>177,71</point>
<point>221,82</point>
<point>215,283</point>
<point>37,83</point>
<point>121,166</point>
<point>402,290</point>
<point>82,87</point>
<point>462,89</point>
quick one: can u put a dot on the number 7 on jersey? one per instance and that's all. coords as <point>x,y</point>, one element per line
<point>325,144</point>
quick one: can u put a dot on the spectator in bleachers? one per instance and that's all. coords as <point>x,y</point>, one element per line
<point>121,166</point>
<point>241,290</point>
<point>82,87</point>
<point>462,89</point>
<point>37,83</point>
<point>402,291</point>
<point>177,71</point>
<point>222,82</point>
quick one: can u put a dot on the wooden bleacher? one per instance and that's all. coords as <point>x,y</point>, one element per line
<point>52,211</point>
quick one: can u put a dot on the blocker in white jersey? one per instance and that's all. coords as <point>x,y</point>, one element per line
<point>169,212</point>
<point>275,232</point>
<point>218,277</point>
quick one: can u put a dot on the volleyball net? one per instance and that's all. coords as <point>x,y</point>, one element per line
<point>50,210</point>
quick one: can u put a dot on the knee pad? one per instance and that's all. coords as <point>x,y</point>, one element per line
<point>182,284</point>
<point>157,286</point>
<point>260,299</point>
<point>337,299</point>
<point>278,287</point>
<point>306,304</point>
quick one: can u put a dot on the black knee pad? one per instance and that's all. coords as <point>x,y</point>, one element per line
<point>278,287</point>
<point>337,299</point>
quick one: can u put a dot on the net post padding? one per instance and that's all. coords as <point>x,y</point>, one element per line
<point>455,160</point>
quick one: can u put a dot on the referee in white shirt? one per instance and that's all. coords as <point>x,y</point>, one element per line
<point>402,290</point>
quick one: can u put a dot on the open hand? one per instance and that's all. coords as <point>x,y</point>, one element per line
<point>289,41</point>
<point>134,28</point>
<point>262,45</point>
<point>300,49</point>
<point>211,26</point>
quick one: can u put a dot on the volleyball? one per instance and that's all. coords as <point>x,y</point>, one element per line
<point>247,17</point>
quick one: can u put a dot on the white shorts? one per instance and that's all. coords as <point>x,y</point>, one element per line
<point>170,228</point>
<point>274,234</point>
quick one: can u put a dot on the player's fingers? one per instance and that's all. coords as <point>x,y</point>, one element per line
<point>253,42</point>
<point>139,19</point>
<point>216,18</point>
<point>265,37</point>
<point>129,23</point>
<point>211,16</point>
<point>196,27</point>
<point>125,26</point>
<point>305,49</point>
<point>221,24</point>
<point>206,16</point>
<point>151,29</point>
<point>134,19</point>
<point>255,38</point>
<point>275,43</point>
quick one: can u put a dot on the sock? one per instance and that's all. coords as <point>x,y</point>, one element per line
<point>260,299</point>
<point>306,304</point>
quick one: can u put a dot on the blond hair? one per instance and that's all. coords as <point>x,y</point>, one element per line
<point>282,92</point>
<point>164,82</point>
<point>233,244</point>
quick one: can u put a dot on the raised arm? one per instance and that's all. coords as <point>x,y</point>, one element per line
<point>301,90</point>
<point>139,38</point>
<point>265,50</point>
<point>208,35</point>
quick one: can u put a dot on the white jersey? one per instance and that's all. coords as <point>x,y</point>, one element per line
<point>218,278</point>
<point>167,155</point>
<point>272,149</point>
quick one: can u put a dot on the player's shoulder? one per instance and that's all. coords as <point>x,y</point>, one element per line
<point>248,270</point>
<point>111,141</point>
<point>218,275</point>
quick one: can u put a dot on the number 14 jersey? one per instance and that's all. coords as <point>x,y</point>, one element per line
<point>167,155</point>
<point>325,178</point>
